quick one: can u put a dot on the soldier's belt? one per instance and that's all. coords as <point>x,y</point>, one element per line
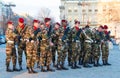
<point>88,41</point>
<point>10,42</point>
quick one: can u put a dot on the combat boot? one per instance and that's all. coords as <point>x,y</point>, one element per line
<point>29,70</point>
<point>104,62</point>
<point>69,64</point>
<point>33,71</point>
<point>7,69</point>
<point>42,69</point>
<point>98,63</point>
<point>86,65</point>
<point>73,66</point>
<point>38,66</point>
<point>20,64</point>
<point>49,69</point>
<point>107,63</point>
<point>59,67</point>
<point>64,68</point>
<point>15,69</point>
<point>76,66</point>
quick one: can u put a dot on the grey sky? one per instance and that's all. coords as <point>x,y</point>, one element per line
<point>32,7</point>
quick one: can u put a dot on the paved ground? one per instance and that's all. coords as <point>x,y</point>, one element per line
<point>112,71</point>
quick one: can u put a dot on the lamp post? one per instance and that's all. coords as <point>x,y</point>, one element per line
<point>9,10</point>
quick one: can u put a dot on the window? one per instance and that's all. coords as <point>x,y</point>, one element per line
<point>83,10</point>
<point>104,10</point>
<point>69,10</point>
<point>90,10</point>
<point>75,10</point>
<point>96,10</point>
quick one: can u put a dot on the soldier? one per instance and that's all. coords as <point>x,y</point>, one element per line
<point>76,48</point>
<point>104,46</point>
<point>96,46</point>
<point>46,44</point>
<point>64,43</point>
<point>10,47</point>
<point>55,38</point>
<point>36,30</point>
<point>20,31</point>
<point>87,35</point>
<point>31,45</point>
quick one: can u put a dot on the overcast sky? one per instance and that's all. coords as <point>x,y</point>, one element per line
<point>32,7</point>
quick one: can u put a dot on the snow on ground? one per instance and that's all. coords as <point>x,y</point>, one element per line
<point>112,71</point>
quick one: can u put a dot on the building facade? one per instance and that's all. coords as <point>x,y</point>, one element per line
<point>92,12</point>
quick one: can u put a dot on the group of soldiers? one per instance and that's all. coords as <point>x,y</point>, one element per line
<point>49,45</point>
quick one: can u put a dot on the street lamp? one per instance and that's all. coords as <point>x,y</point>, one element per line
<point>10,10</point>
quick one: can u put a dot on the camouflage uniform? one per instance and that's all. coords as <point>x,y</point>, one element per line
<point>87,35</point>
<point>96,47</point>
<point>31,49</point>
<point>105,48</point>
<point>21,43</point>
<point>76,48</point>
<point>46,53</point>
<point>55,38</point>
<point>10,49</point>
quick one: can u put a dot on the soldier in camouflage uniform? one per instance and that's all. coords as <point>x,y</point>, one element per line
<point>10,47</point>
<point>104,46</point>
<point>20,31</point>
<point>66,29</point>
<point>31,46</point>
<point>46,44</point>
<point>87,36</point>
<point>37,33</point>
<point>96,46</point>
<point>55,38</point>
<point>76,48</point>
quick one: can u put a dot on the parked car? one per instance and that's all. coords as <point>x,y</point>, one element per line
<point>2,39</point>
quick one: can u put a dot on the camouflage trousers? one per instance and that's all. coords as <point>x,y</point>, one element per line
<point>59,53</point>
<point>75,52</point>
<point>21,49</point>
<point>38,53</point>
<point>31,50</point>
<point>87,52</point>
<point>96,51</point>
<point>45,55</point>
<point>69,52</point>
<point>105,51</point>
<point>10,54</point>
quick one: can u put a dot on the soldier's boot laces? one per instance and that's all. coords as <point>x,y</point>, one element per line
<point>49,69</point>
<point>33,71</point>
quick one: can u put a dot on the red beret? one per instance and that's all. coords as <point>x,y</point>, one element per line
<point>9,22</point>
<point>77,22</point>
<point>64,21</point>
<point>47,19</point>
<point>105,27</point>
<point>36,21</point>
<point>101,26</point>
<point>58,23</point>
<point>21,20</point>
